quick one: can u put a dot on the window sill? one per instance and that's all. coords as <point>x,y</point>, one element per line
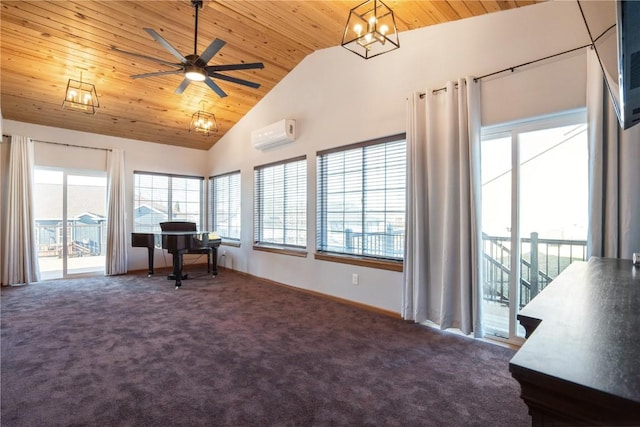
<point>281,250</point>
<point>232,243</point>
<point>363,262</point>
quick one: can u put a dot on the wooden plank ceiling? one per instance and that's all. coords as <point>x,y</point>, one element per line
<point>45,43</point>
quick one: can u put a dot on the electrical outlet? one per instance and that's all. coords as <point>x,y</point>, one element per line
<point>354,279</point>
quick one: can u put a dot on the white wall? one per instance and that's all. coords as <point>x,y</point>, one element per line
<point>139,155</point>
<point>338,98</point>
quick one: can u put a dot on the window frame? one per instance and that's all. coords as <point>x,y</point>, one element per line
<point>170,198</point>
<point>367,260</point>
<point>212,205</point>
<point>259,242</point>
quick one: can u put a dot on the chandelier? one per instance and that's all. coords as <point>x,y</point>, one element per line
<point>81,96</point>
<point>371,30</point>
<point>203,122</point>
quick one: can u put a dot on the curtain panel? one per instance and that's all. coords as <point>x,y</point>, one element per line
<point>19,252</point>
<point>116,257</point>
<point>443,244</point>
<point>614,174</point>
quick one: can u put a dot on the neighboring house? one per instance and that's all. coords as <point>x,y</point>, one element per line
<point>147,218</point>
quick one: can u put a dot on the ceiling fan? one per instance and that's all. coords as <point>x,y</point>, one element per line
<point>194,66</point>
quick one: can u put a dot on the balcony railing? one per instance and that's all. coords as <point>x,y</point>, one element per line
<point>384,244</point>
<point>82,240</point>
<point>540,262</point>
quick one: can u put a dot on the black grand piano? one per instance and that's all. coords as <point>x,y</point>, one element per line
<point>179,238</point>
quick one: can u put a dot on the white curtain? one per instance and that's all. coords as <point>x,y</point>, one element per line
<point>443,244</point>
<point>614,174</point>
<point>20,257</point>
<point>116,259</point>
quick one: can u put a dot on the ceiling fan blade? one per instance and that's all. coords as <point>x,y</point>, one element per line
<point>182,86</point>
<point>165,44</point>
<point>235,80</point>
<point>211,50</point>
<point>231,67</point>
<point>159,73</point>
<point>149,58</point>
<point>215,87</point>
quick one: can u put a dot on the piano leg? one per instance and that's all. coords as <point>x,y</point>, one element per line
<point>214,261</point>
<point>177,269</point>
<point>150,252</point>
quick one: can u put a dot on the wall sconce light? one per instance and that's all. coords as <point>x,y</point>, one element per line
<point>203,122</point>
<point>81,96</point>
<point>371,30</point>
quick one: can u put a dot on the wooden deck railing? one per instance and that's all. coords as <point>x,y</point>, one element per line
<point>384,244</point>
<point>540,262</point>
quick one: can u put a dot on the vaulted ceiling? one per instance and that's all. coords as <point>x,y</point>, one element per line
<point>46,43</point>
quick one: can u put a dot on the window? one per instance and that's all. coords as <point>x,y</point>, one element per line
<point>534,211</point>
<point>224,205</point>
<point>281,204</point>
<point>163,197</point>
<point>361,199</point>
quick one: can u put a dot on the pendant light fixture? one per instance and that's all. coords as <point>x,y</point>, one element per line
<point>81,96</point>
<point>371,30</point>
<point>203,122</point>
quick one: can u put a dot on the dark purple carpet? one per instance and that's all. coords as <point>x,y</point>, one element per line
<point>235,351</point>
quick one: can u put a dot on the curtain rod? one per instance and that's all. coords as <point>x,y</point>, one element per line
<point>65,145</point>
<point>512,69</point>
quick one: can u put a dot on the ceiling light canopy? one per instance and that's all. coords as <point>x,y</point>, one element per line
<point>371,30</point>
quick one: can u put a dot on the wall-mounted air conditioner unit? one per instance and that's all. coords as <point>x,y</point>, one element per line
<point>278,133</point>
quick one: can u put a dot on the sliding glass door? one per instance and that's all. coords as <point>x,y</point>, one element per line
<point>534,197</point>
<point>71,222</point>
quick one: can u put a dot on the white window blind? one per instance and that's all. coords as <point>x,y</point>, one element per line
<point>224,205</point>
<point>164,197</point>
<point>280,214</point>
<point>361,199</point>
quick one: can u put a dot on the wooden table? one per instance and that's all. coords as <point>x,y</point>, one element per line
<point>581,362</point>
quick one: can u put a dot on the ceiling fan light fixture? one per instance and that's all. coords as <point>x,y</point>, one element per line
<point>194,73</point>
<point>371,30</point>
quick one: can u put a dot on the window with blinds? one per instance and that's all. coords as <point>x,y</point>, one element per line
<point>224,205</point>
<point>161,197</point>
<point>361,199</point>
<point>280,212</point>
